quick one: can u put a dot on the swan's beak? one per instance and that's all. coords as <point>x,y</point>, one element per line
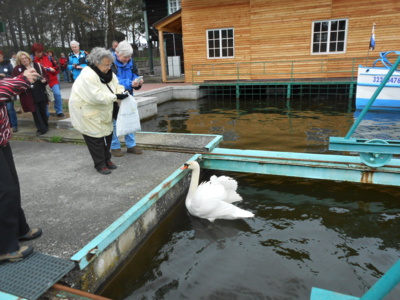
<point>185,166</point>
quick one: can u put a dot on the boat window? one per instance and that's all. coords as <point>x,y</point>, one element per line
<point>220,43</point>
<point>329,36</point>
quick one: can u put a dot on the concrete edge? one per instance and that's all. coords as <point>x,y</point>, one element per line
<point>99,259</point>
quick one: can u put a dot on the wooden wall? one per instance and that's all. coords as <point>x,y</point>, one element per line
<point>270,30</point>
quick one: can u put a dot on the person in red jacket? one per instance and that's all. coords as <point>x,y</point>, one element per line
<point>13,225</point>
<point>63,61</point>
<point>52,70</point>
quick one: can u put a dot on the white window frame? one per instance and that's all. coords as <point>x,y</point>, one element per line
<point>173,6</point>
<point>328,41</point>
<point>221,42</point>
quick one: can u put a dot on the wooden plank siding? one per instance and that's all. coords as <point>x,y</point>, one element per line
<point>270,34</point>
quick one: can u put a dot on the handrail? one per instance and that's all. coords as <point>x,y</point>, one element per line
<point>290,69</point>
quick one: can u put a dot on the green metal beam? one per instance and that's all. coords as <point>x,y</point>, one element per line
<point>304,165</point>
<point>360,145</point>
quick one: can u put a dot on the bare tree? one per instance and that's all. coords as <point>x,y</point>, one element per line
<point>55,23</point>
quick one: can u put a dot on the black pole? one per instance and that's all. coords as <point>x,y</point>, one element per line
<point>149,44</point>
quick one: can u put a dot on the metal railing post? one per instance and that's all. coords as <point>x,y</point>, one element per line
<point>292,71</point>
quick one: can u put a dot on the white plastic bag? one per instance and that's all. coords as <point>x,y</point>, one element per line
<point>128,120</point>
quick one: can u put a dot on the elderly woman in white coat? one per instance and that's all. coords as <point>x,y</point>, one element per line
<point>91,106</point>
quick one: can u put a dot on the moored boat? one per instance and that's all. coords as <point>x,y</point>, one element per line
<point>368,80</point>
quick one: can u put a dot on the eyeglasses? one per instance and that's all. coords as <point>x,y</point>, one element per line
<point>108,66</point>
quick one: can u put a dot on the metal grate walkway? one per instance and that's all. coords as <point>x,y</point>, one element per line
<point>33,276</point>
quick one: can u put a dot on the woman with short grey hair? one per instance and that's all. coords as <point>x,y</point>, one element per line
<point>74,43</point>
<point>124,49</point>
<point>98,54</point>
<point>91,106</point>
<point>124,68</point>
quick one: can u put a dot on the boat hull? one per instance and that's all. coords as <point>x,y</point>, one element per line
<point>368,81</point>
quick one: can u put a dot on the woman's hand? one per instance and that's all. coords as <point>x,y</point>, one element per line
<point>122,96</point>
<point>31,75</point>
<point>137,83</point>
<point>2,75</point>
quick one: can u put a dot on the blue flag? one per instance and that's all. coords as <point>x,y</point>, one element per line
<point>372,41</point>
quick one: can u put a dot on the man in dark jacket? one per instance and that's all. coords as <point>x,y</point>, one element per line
<point>13,225</point>
<point>6,69</point>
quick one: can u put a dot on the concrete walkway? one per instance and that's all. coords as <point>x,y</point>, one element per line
<point>63,194</point>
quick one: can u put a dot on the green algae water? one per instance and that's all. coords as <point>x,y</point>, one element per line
<point>306,233</point>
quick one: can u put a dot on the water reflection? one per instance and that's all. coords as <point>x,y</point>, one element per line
<point>276,125</point>
<point>334,235</point>
<point>306,233</point>
<point>380,124</point>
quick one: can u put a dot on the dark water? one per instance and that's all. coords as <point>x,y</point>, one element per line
<point>307,233</point>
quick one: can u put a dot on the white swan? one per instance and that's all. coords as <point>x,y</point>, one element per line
<point>212,199</point>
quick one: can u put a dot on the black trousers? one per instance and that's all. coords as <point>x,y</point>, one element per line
<point>40,117</point>
<point>99,149</point>
<point>12,218</point>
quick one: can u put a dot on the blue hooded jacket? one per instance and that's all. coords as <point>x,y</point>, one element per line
<point>125,73</point>
<point>74,59</point>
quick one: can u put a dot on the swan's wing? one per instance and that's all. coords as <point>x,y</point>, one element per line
<point>208,203</point>
<point>206,198</point>
<point>228,211</point>
<point>230,186</point>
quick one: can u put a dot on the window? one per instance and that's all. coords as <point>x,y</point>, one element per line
<point>329,36</point>
<point>220,43</point>
<point>173,6</point>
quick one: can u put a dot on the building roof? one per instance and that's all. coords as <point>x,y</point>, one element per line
<point>171,23</point>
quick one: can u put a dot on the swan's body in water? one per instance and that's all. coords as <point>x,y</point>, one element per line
<point>212,199</point>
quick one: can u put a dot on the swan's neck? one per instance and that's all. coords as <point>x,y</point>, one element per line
<point>194,183</point>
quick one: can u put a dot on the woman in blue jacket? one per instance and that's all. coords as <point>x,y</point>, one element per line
<point>125,69</point>
<point>76,60</point>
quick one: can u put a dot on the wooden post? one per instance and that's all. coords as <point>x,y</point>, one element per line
<point>162,56</point>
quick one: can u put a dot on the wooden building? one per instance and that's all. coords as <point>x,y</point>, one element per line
<point>171,41</point>
<point>269,39</point>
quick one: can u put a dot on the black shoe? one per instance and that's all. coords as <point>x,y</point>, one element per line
<point>61,115</point>
<point>15,129</point>
<point>40,133</point>
<point>111,165</point>
<point>32,234</point>
<point>104,171</point>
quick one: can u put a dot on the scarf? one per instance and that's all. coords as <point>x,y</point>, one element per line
<point>104,77</point>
